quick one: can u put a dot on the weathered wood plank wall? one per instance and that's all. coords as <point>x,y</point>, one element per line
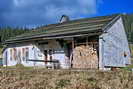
<point>115,46</point>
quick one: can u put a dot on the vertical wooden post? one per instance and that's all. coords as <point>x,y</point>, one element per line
<point>87,41</point>
<point>73,43</point>
<point>71,57</point>
<point>100,53</point>
<point>46,56</point>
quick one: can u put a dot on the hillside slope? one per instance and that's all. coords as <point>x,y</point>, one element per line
<point>64,79</point>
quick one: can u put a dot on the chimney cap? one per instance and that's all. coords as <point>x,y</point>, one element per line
<point>64,18</point>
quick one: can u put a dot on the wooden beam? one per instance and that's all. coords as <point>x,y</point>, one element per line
<point>86,40</point>
<point>71,56</point>
<point>73,43</point>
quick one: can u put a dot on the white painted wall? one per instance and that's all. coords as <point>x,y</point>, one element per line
<point>32,56</point>
<point>113,45</point>
<point>36,53</point>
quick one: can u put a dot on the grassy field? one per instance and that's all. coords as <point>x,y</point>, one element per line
<point>40,78</point>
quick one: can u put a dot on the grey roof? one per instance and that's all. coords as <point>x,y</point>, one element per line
<point>87,25</point>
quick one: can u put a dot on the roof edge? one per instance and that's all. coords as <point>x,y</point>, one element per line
<point>111,22</point>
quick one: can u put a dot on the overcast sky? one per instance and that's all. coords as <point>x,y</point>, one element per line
<point>30,13</point>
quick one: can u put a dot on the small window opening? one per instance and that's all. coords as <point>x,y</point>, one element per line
<point>125,54</point>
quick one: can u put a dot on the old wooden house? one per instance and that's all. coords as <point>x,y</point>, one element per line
<point>90,43</point>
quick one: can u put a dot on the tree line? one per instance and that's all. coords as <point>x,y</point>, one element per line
<point>7,32</point>
<point>128,22</point>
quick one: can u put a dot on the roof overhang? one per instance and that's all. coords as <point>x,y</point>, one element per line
<point>76,28</point>
<point>59,36</point>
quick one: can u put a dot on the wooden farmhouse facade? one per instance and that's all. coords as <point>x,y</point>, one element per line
<point>90,43</point>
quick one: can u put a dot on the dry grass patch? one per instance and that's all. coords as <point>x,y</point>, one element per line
<point>31,78</point>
